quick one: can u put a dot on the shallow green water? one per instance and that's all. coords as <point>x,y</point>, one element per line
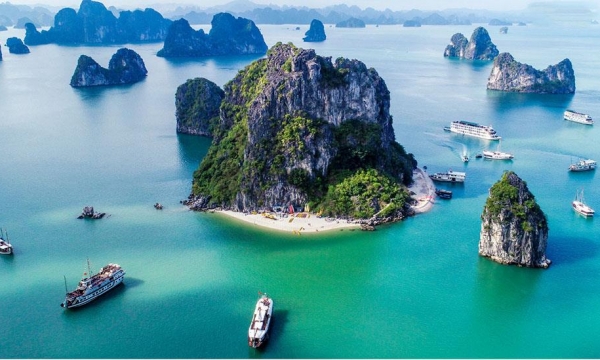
<point>412,289</point>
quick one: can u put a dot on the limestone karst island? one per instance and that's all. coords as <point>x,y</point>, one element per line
<point>302,131</point>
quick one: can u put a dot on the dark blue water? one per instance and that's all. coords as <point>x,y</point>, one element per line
<point>412,289</point>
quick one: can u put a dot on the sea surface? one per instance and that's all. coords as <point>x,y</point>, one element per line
<point>414,289</point>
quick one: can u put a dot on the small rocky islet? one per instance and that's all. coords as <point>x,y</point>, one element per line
<point>125,67</point>
<point>16,46</point>
<point>478,47</point>
<point>514,229</point>
<point>316,32</point>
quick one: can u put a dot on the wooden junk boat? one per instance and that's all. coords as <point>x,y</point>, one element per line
<point>258,332</point>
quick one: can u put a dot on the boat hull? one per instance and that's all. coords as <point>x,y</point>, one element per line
<point>582,209</point>
<point>93,295</point>
<point>5,248</point>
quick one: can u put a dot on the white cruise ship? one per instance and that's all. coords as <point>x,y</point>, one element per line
<point>578,117</point>
<point>474,129</point>
<point>497,155</point>
<point>450,176</point>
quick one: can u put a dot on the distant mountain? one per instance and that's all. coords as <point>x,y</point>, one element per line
<point>10,14</point>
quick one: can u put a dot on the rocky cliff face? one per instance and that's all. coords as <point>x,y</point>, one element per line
<point>197,104</point>
<point>228,36</point>
<point>293,124</point>
<point>316,32</point>
<point>125,67</point>
<point>94,24</point>
<point>514,230</point>
<point>510,75</point>
<point>479,47</point>
<point>16,46</point>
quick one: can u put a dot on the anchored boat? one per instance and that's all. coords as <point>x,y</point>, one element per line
<point>91,286</point>
<point>5,246</point>
<point>258,332</point>
<point>583,165</point>
<point>450,176</point>
<point>497,155</point>
<point>443,194</point>
<point>580,206</point>
<point>578,117</point>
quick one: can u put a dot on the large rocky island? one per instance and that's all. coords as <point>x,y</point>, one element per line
<point>228,36</point>
<point>514,230</point>
<point>297,129</point>
<point>479,47</point>
<point>94,24</point>
<point>125,67</point>
<point>509,75</point>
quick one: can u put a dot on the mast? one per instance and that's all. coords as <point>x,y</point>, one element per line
<point>89,268</point>
<point>66,289</point>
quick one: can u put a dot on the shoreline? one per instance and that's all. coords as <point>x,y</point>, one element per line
<point>422,187</point>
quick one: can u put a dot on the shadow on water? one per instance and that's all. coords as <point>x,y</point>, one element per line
<point>98,92</point>
<point>571,250</point>
<point>192,148</point>
<point>502,99</point>
<point>277,328</point>
<point>221,62</point>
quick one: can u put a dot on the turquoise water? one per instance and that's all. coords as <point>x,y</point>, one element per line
<point>411,289</point>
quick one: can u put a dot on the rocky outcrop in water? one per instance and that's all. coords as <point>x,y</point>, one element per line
<point>0,53</point>
<point>514,230</point>
<point>509,75</point>
<point>297,128</point>
<point>197,104</point>
<point>228,36</point>
<point>94,24</point>
<point>351,23</point>
<point>16,46</point>
<point>89,213</point>
<point>316,32</point>
<point>479,47</point>
<point>125,67</point>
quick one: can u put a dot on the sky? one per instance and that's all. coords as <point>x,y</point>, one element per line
<point>377,4</point>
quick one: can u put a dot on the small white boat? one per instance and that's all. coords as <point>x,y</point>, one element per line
<point>578,117</point>
<point>583,165</point>
<point>450,176</point>
<point>258,332</point>
<point>464,158</point>
<point>497,155</point>
<point>580,207</point>
<point>5,246</point>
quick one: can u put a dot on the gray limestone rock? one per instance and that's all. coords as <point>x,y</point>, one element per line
<point>479,47</point>
<point>514,230</point>
<point>316,33</point>
<point>509,75</point>
<point>125,67</point>
<point>197,104</point>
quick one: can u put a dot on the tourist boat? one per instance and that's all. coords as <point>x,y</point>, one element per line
<point>580,206</point>
<point>91,287</point>
<point>497,155</point>
<point>478,156</point>
<point>5,246</point>
<point>474,129</point>
<point>464,158</point>
<point>450,176</point>
<point>578,117</point>
<point>443,194</point>
<point>583,165</point>
<point>258,332</point>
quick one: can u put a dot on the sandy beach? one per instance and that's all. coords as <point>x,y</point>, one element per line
<point>422,187</point>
